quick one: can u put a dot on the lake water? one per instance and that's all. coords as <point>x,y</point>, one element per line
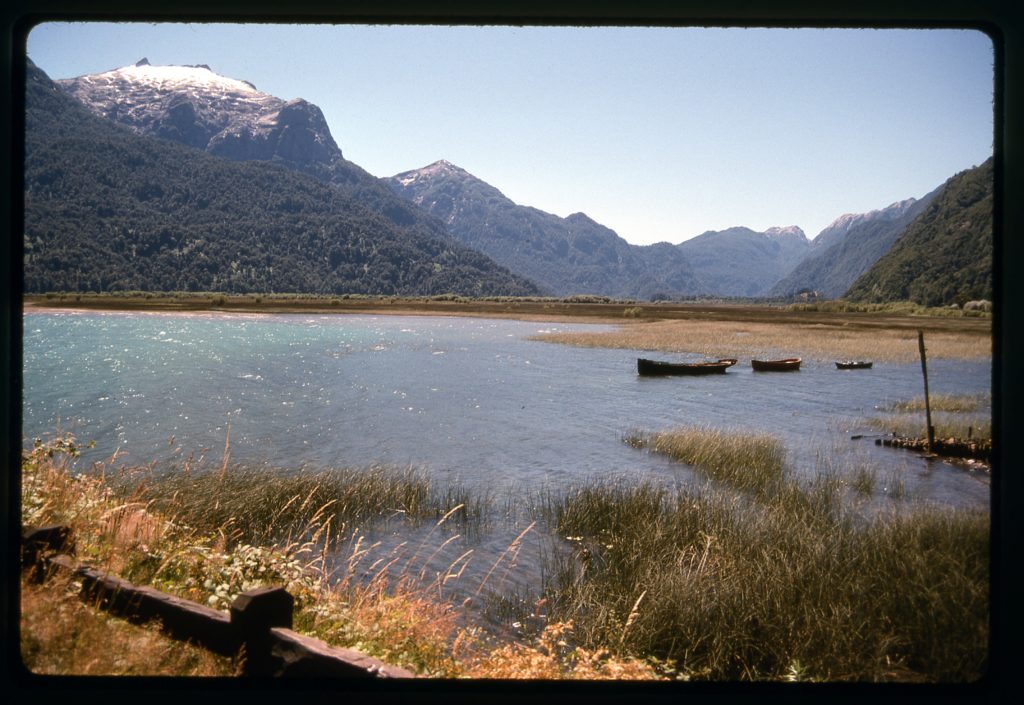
<point>463,398</point>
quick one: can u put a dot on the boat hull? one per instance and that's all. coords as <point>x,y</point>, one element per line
<point>854,365</point>
<point>788,365</point>
<point>657,368</point>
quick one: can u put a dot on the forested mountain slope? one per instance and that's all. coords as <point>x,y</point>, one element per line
<point>107,209</point>
<point>945,255</point>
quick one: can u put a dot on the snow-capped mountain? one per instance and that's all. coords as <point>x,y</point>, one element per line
<point>787,231</point>
<point>198,107</point>
<point>445,190</point>
<point>837,230</point>
<point>230,118</point>
<point>441,169</point>
<point>110,210</point>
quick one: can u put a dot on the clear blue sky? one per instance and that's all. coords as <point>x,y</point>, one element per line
<point>657,133</point>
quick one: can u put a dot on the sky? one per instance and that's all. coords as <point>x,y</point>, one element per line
<point>658,133</point>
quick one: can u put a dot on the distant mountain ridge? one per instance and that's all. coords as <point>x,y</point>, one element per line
<point>741,262</point>
<point>848,247</point>
<point>572,255</point>
<point>107,209</point>
<point>837,230</point>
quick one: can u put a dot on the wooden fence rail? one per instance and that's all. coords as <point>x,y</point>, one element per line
<point>259,620</point>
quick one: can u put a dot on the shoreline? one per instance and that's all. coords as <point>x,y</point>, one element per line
<point>712,329</point>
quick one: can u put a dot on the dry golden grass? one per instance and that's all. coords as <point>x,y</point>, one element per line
<point>552,657</point>
<point>60,635</point>
<point>813,341</point>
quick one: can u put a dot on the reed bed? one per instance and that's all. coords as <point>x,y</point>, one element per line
<point>820,341</point>
<point>946,425</point>
<point>955,403</point>
<point>262,504</point>
<point>953,415</point>
<point>745,461</point>
<point>757,575</point>
<point>730,589</point>
<point>132,525</point>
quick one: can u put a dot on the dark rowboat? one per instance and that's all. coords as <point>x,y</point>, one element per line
<point>790,364</point>
<point>854,365</point>
<point>658,368</point>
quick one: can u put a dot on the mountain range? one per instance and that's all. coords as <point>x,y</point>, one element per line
<point>108,209</point>
<point>515,248</point>
<point>741,262</point>
<point>573,255</point>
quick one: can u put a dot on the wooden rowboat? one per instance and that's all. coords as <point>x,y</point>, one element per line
<point>854,365</point>
<point>790,364</point>
<point>657,368</point>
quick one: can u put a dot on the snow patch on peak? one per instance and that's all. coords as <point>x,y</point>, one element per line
<point>900,206</point>
<point>791,230</point>
<point>171,77</point>
<point>846,221</point>
<point>443,166</point>
<point>440,168</point>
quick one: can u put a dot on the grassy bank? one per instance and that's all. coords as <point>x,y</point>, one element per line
<point>207,536</point>
<point>61,636</point>
<point>908,308</point>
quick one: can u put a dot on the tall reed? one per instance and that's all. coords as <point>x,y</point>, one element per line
<point>739,591</point>
<point>262,504</point>
<point>743,460</point>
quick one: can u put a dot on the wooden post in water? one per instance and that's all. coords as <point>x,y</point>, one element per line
<point>927,401</point>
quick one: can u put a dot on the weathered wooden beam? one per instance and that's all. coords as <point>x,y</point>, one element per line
<point>295,655</point>
<point>179,618</point>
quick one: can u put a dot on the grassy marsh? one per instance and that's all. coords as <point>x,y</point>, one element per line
<point>260,504</point>
<point>810,339</point>
<point>381,601</point>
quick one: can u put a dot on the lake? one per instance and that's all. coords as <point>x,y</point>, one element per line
<point>467,399</point>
